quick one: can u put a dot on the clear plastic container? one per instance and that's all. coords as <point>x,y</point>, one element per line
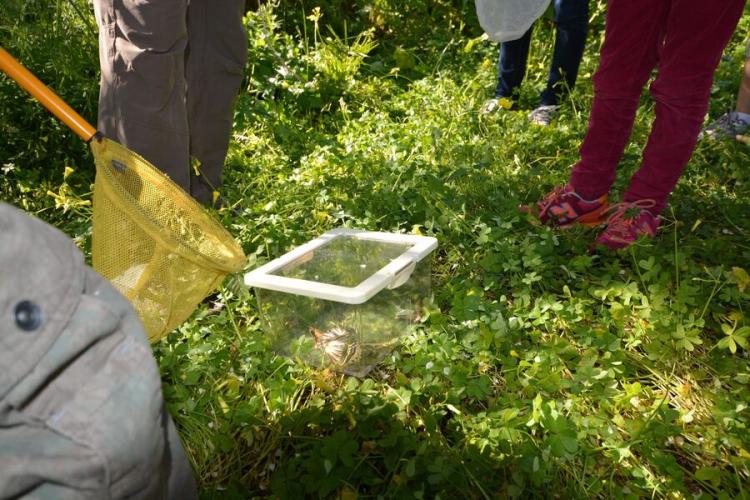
<point>343,300</point>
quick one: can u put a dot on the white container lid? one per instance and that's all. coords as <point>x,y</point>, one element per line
<point>344,265</point>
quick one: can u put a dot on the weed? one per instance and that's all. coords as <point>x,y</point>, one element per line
<point>542,370</point>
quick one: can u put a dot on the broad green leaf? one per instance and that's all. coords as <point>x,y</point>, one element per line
<point>570,443</point>
<point>732,345</point>
<point>724,343</point>
<point>741,341</point>
<point>710,474</point>
<point>411,467</point>
<point>742,277</point>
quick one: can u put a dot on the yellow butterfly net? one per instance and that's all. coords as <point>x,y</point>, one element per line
<point>154,242</point>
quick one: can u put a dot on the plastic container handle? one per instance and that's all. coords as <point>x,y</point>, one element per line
<point>402,275</point>
<point>44,95</point>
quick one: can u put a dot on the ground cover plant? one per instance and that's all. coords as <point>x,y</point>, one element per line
<point>541,369</point>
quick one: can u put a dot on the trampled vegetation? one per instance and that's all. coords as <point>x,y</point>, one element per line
<point>541,369</point>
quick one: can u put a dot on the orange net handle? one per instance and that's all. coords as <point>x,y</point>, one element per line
<point>43,94</point>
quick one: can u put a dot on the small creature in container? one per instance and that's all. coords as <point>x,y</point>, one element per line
<point>337,343</point>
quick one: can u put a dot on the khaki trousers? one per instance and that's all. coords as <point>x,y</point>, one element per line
<point>170,73</point>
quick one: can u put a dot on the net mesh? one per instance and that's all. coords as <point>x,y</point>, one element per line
<point>506,20</point>
<point>154,242</point>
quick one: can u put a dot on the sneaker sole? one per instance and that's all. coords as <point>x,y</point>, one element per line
<point>590,219</point>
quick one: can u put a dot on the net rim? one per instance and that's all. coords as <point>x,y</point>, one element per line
<point>165,236</point>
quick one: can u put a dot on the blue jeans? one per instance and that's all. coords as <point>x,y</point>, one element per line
<point>571,20</point>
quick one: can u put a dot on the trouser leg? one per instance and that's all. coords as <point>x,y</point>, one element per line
<point>743,94</point>
<point>696,34</point>
<point>628,55</point>
<point>142,94</point>
<point>215,63</point>
<point>511,65</point>
<point>571,20</point>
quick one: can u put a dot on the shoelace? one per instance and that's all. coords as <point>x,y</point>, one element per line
<point>549,198</point>
<point>618,221</point>
<point>545,110</point>
<point>543,113</point>
<point>728,122</point>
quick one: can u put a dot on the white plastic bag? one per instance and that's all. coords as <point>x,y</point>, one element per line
<point>505,20</point>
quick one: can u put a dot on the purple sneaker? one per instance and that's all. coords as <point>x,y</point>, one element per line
<point>629,222</point>
<point>563,207</point>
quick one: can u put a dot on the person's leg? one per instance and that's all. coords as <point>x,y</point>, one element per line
<point>696,35</point>
<point>142,94</point>
<point>629,53</point>
<point>511,65</point>
<point>743,95</point>
<point>571,20</point>
<point>735,121</point>
<point>217,52</point>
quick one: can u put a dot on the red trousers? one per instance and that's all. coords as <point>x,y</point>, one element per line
<point>684,39</point>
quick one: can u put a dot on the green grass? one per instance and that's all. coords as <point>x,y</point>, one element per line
<point>542,370</point>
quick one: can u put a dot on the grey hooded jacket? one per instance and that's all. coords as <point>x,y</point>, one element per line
<point>81,407</point>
